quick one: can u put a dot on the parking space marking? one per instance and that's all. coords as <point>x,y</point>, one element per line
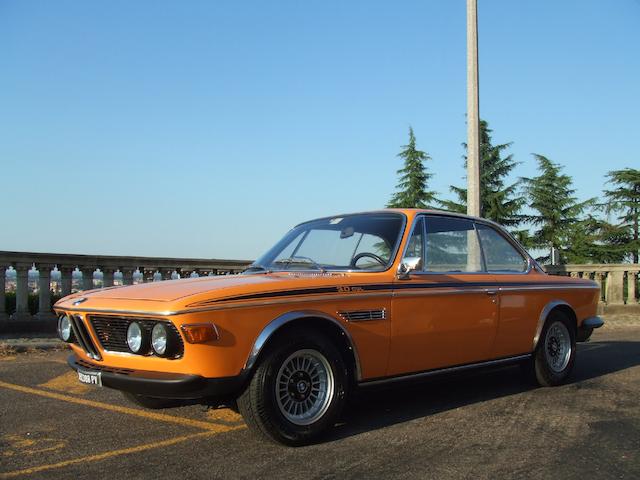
<point>67,382</point>
<point>225,416</point>
<point>30,446</point>
<point>116,408</point>
<point>110,454</point>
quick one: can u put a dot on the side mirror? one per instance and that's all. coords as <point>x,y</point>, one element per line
<point>408,265</point>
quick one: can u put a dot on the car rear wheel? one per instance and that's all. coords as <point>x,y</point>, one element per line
<point>298,390</point>
<point>554,357</point>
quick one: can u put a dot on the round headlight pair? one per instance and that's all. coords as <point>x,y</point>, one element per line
<point>139,342</point>
<point>64,329</point>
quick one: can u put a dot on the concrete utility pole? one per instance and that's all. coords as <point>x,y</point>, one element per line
<point>473,112</point>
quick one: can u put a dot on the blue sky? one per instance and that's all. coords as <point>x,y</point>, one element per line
<point>208,129</point>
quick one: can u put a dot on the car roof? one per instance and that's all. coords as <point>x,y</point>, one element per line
<point>414,211</point>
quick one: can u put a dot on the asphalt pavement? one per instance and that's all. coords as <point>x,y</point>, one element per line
<point>488,424</point>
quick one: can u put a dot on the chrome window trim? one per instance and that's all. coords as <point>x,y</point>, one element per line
<point>500,230</point>
<point>278,322</point>
<point>424,240</point>
<point>392,258</point>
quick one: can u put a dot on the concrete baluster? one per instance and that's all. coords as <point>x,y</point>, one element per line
<point>107,276</point>
<point>87,278</point>
<point>22,292</point>
<point>615,285</point>
<point>597,277</point>
<point>66,277</point>
<point>44,292</point>
<point>632,284</point>
<point>3,312</point>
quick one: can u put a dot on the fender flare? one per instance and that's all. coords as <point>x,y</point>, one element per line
<point>543,318</point>
<point>277,323</point>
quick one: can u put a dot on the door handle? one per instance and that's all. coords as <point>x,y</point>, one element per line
<point>491,292</point>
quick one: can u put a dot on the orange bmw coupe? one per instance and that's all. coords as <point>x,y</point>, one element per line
<point>340,303</point>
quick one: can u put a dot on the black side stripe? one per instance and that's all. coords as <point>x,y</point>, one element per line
<point>355,289</point>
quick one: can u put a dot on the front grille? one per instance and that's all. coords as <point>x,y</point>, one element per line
<point>112,332</point>
<point>82,337</point>
<point>363,315</point>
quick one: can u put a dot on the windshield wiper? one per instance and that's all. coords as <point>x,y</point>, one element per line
<point>301,260</point>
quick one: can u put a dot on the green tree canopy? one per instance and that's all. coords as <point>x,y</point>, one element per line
<point>498,202</point>
<point>412,187</point>
<point>592,240</point>
<point>624,200</point>
<point>558,212</point>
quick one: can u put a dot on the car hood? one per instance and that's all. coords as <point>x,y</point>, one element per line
<point>171,295</point>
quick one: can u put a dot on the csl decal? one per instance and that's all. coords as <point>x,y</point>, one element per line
<point>346,289</point>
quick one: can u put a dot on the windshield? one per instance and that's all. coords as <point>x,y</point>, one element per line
<point>361,242</point>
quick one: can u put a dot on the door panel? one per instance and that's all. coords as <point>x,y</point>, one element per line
<point>519,312</point>
<point>445,314</point>
<point>452,320</point>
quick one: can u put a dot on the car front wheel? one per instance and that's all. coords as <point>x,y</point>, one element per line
<point>298,390</point>
<point>554,356</point>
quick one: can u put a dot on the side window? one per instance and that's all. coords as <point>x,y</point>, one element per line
<point>415,248</point>
<point>499,254</point>
<point>452,246</point>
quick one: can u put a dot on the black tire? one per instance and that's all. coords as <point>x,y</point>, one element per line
<point>265,414</point>
<point>151,402</point>
<point>540,368</point>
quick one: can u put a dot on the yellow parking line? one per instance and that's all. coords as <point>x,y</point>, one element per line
<point>110,454</point>
<point>116,408</point>
<point>67,382</point>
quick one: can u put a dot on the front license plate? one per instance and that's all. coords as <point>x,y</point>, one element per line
<point>90,378</point>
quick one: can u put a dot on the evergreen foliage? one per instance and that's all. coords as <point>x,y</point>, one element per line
<point>412,189</point>
<point>558,218</point>
<point>593,240</point>
<point>498,202</point>
<point>624,200</point>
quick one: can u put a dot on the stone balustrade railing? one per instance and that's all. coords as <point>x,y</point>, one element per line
<point>618,282</point>
<point>111,269</point>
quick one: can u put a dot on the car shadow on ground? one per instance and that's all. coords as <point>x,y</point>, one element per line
<point>377,408</point>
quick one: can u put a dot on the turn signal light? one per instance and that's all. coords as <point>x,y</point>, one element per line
<point>200,332</point>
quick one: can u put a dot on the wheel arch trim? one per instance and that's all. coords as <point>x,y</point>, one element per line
<point>272,327</point>
<point>544,314</point>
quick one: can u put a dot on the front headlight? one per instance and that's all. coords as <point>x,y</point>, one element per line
<point>64,329</point>
<point>136,338</point>
<point>159,339</point>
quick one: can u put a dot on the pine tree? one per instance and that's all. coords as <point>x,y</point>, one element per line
<point>625,201</point>
<point>498,202</point>
<point>594,240</point>
<point>550,194</point>
<point>412,188</point>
